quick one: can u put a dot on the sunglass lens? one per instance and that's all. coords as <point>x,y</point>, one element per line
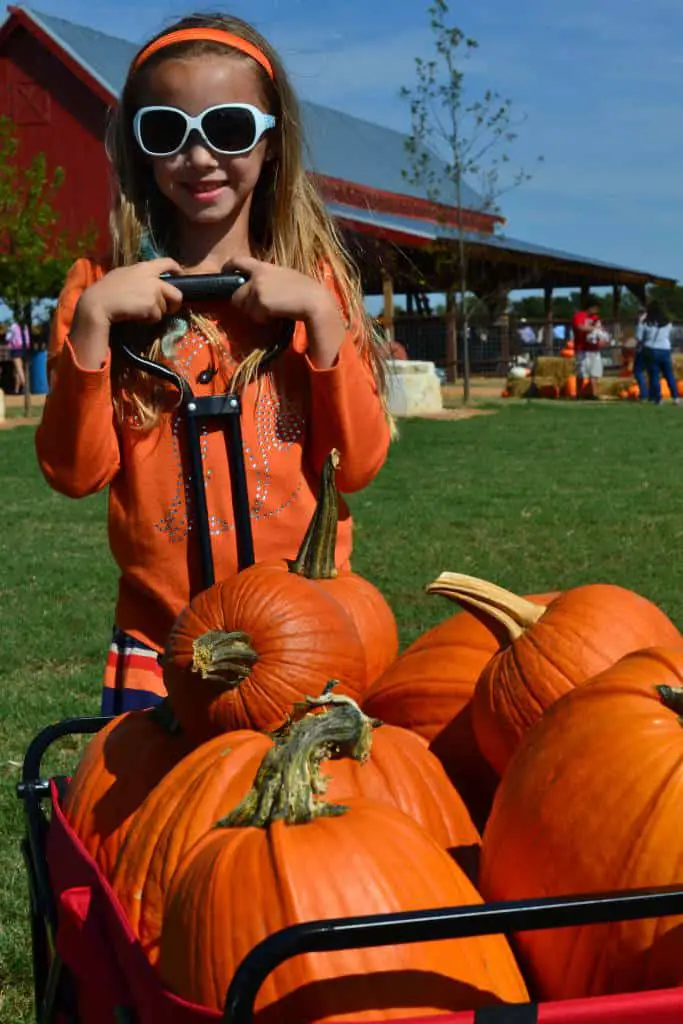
<point>162,131</point>
<point>229,129</point>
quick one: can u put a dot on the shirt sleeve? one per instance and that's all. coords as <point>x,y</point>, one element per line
<point>76,443</point>
<point>347,413</point>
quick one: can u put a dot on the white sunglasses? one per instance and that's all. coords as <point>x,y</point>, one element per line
<point>229,128</point>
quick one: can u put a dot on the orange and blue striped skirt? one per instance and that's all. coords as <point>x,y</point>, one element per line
<point>133,679</point>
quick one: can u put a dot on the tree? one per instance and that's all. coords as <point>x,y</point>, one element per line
<point>35,253</point>
<point>474,136</point>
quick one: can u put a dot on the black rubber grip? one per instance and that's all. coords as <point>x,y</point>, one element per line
<point>206,286</point>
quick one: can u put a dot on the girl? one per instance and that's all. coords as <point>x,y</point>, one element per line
<point>654,334</point>
<point>206,152</point>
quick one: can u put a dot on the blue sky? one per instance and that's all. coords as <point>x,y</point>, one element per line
<point>600,83</point>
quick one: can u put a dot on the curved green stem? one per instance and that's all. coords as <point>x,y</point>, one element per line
<point>316,556</point>
<point>289,781</point>
<point>225,658</point>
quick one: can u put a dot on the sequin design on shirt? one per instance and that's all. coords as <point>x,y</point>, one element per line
<point>279,423</point>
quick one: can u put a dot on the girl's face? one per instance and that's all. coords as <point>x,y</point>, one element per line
<point>207,187</point>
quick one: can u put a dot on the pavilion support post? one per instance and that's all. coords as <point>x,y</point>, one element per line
<point>640,292</point>
<point>548,321</point>
<point>388,294</point>
<point>616,310</point>
<point>585,295</point>
<point>451,339</point>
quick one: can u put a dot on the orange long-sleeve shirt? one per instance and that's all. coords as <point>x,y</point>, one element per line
<point>289,425</point>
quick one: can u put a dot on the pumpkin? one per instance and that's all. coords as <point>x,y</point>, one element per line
<point>248,648</point>
<point>215,777</point>
<point>591,802</point>
<point>121,764</point>
<point>284,856</point>
<point>548,650</point>
<point>429,688</point>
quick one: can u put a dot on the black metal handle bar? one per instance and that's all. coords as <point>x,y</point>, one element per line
<point>431,925</point>
<point>197,410</point>
<point>31,769</point>
<point>206,286</point>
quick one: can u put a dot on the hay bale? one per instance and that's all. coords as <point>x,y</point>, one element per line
<point>555,368</point>
<point>518,387</point>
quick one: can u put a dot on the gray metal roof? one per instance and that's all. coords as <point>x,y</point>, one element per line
<point>338,145</point>
<point>431,231</point>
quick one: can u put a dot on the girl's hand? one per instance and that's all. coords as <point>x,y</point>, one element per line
<point>126,293</point>
<point>136,292</point>
<point>273,292</point>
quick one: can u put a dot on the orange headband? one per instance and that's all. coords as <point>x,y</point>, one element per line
<point>210,35</point>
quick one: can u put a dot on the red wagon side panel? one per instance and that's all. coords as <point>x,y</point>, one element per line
<point>110,969</point>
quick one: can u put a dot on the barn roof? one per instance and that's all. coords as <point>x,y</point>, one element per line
<point>339,145</point>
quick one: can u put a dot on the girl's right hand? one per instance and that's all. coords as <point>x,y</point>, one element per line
<point>136,292</point>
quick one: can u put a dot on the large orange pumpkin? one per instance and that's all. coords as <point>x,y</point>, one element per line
<point>548,650</point>
<point>284,856</point>
<point>120,766</point>
<point>247,648</point>
<point>591,802</point>
<point>429,688</point>
<point>214,778</point>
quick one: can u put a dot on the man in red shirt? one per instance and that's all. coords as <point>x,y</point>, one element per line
<point>588,359</point>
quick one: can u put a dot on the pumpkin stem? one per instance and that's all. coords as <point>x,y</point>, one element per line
<point>315,559</point>
<point>162,713</point>
<point>224,658</point>
<point>672,698</point>
<point>289,780</point>
<point>515,614</point>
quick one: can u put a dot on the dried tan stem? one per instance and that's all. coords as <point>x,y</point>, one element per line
<point>514,613</point>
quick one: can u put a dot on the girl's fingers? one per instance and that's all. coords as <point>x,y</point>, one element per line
<point>173,297</point>
<point>164,265</point>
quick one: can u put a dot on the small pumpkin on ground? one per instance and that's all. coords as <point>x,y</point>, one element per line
<point>548,650</point>
<point>429,689</point>
<point>216,776</point>
<point>285,856</point>
<point>591,803</point>
<point>247,648</point>
<point>120,766</point>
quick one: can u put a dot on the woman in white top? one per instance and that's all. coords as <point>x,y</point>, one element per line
<point>654,331</point>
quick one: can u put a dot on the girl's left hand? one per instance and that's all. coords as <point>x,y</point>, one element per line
<point>273,292</point>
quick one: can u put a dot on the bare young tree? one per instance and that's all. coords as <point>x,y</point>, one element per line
<point>474,136</point>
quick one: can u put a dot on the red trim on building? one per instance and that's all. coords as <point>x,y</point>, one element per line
<point>364,197</point>
<point>23,19</point>
<point>403,238</point>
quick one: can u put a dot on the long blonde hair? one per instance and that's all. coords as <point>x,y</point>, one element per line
<point>289,225</point>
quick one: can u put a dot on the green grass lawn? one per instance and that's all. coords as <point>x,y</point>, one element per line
<point>536,497</point>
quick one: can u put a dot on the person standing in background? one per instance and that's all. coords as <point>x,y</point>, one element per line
<point>654,332</point>
<point>19,340</point>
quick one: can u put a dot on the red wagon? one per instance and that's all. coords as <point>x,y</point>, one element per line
<point>88,967</point>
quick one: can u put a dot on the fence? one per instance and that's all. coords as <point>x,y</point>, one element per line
<point>492,348</point>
